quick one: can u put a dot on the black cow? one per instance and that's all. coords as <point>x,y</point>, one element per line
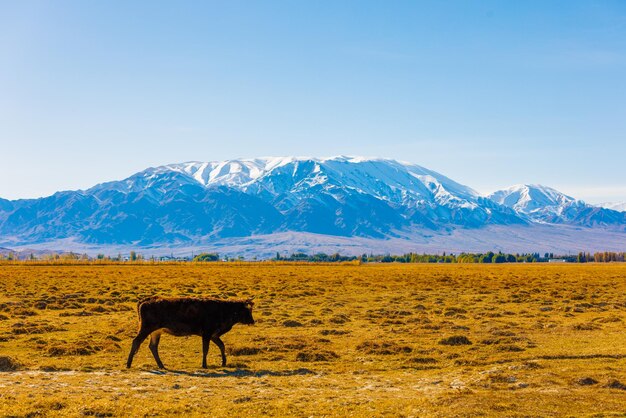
<point>208,318</point>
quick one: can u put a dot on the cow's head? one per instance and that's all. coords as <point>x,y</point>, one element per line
<point>245,315</point>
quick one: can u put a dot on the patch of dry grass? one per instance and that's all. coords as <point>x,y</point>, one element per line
<point>402,340</point>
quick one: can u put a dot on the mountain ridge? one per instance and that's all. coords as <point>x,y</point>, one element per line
<point>373,198</point>
<point>617,206</point>
<point>547,205</point>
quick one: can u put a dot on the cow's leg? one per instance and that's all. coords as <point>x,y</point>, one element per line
<point>206,339</point>
<point>142,335</point>
<point>154,347</point>
<point>220,344</point>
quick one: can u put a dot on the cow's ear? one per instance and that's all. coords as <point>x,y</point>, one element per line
<point>249,302</point>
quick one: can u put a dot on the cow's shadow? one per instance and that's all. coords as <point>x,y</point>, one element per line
<point>234,373</point>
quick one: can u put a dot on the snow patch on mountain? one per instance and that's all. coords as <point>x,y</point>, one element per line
<point>389,180</point>
<point>532,198</point>
<point>546,205</point>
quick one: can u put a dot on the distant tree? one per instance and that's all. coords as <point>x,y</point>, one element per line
<point>498,258</point>
<point>207,257</point>
<point>335,257</point>
<point>486,258</point>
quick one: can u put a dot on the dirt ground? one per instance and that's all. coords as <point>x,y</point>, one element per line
<point>347,340</point>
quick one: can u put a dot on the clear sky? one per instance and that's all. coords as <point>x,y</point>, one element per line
<point>488,93</point>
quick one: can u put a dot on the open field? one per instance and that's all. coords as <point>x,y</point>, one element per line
<point>399,340</point>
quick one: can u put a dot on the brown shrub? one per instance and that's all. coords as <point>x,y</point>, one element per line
<point>383,348</point>
<point>81,348</point>
<point>422,360</point>
<point>244,351</point>
<point>40,305</point>
<point>616,384</point>
<point>589,326</point>
<point>586,381</point>
<point>510,348</point>
<point>9,364</point>
<point>531,365</point>
<point>33,328</point>
<point>284,345</point>
<point>81,313</point>
<point>291,323</point>
<point>23,312</point>
<point>339,319</point>
<point>611,318</point>
<point>455,340</point>
<point>88,412</point>
<point>334,332</point>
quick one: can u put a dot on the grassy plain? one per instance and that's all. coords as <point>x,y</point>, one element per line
<point>368,340</point>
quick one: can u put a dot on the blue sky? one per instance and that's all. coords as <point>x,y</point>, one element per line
<point>488,93</point>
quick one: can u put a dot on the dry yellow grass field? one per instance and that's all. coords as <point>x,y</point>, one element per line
<point>368,340</point>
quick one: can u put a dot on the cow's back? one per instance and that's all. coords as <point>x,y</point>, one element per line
<point>180,316</point>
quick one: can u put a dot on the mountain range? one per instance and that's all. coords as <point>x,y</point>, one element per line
<point>349,203</point>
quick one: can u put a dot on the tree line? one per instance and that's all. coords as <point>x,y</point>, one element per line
<point>488,257</point>
<point>464,257</point>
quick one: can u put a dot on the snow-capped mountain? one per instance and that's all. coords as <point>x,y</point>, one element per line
<point>389,180</point>
<point>544,204</point>
<point>337,196</point>
<point>532,199</point>
<point>201,202</point>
